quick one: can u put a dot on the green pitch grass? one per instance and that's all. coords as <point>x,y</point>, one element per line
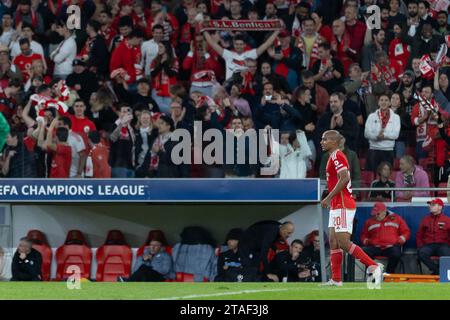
<point>221,291</point>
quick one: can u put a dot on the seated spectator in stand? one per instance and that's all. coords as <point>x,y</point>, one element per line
<point>340,120</point>
<point>286,266</point>
<point>294,154</point>
<point>433,236</point>
<point>26,263</point>
<point>97,165</point>
<point>155,265</point>
<point>411,176</point>
<point>352,157</point>
<point>229,267</point>
<point>384,172</point>
<point>382,129</point>
<point>384,234</point>
<point>255,244</point>
<point>60,149</point>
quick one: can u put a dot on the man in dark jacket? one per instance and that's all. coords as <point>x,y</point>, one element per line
<point>340,120</point>
<point>229,266</point>
<point>82,80</point>
<point>256,242</point>
<point>26,264</point>
<point>286,265</point>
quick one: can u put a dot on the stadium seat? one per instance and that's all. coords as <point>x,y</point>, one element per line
<point>362,163</point>
<point>113,261</point>
<point>115,237</point>
<point>113,258</point>
<point>366,178</point>
<point>396,166</point>
<point>411,151</point>
<point>40,243</point>
<point>186,277</point>
<point>74,251</point>
<point>442,193</point>
<point>420,263</point>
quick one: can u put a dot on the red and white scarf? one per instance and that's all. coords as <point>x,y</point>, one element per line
<point>384,117</point>
<point>241,25</point>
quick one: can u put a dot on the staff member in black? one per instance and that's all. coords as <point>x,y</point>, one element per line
<point>26,264</point>
<point>256,242</point>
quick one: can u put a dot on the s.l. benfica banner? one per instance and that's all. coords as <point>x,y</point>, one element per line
<point>241,25</point>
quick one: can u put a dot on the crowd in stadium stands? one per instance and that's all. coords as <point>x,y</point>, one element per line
<point>113,91</point>
<point>261,252</point>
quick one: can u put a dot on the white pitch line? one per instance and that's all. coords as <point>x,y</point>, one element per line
<point>193,296</point>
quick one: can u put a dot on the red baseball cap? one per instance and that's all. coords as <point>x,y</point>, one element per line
<point>436,201</point>
<point>378,207</point>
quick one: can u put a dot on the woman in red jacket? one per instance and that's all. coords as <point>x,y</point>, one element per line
<point>164,70</point>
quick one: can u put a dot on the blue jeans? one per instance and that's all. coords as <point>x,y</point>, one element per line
<point>120,172</point>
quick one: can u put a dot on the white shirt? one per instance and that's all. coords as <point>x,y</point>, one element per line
<point>36,47</point>
<point>63,56</point>
<point>149,51</point>
<point>77,145</point>
<point>235,62</point>
<point>6,36</point>
<point>293,163</point>
<point>5,266</point>
<point>391,132</point>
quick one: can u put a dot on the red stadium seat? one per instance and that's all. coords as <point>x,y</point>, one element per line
<point>113,261</point>
<point>187,277</point>
<point>40,243</point>
<point>113,258</point>
<point>46,253</point>
<point>442,193</point>
<point>396,164</point>
<point>115,237</point>
<point>70,255</point>
<point>362,163</point>
<point>74,251</point>
<point>366,178</point>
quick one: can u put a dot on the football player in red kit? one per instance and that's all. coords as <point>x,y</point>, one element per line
<point>342,211</point>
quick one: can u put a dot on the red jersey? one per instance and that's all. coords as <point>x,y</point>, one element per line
<point>82,126</point>
<point>24,63</point>
<point>61,162</point>
<point>336,163</point>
